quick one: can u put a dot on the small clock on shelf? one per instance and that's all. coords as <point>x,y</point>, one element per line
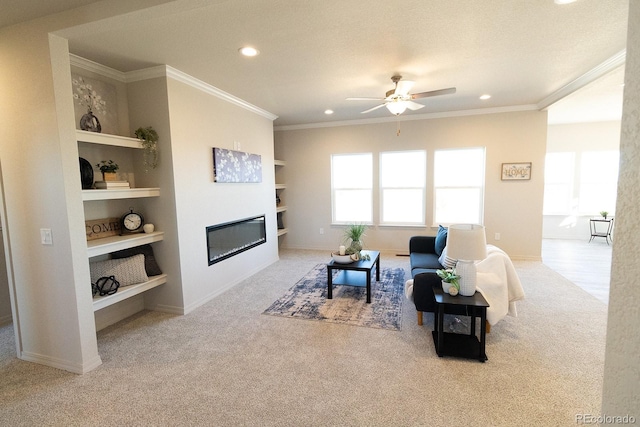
<point>131,222</point>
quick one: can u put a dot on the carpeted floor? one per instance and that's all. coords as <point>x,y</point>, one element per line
<point>226,364</point>
<point>307,299</point>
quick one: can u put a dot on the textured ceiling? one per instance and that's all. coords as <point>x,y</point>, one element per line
<point>314,54</point>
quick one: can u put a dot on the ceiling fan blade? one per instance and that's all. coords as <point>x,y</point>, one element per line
<point>403,87</point>
<point>413,105</point>
<point>374,108</point>
<point>433,93</point>
<point>365,99</point>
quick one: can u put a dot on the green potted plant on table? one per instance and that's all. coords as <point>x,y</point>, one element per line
<point>149,139</point>
<point>353,235</point>
<point>604,214</point>
<point>450,283</point>
<point>108,169</point>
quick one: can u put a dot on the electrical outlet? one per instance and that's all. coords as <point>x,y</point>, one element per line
<point>321,230</point>
<point>45,236</point>
<point>497,236</point>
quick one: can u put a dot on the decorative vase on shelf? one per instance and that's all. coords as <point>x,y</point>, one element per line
<point>109,176</point>
<point>90,123</point>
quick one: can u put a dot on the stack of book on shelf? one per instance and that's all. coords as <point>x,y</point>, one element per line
<point>109,185</point>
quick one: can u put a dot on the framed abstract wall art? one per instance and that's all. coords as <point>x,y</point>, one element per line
<point>236,166</point>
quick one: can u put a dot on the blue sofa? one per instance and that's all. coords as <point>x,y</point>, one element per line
<point>423,253</point>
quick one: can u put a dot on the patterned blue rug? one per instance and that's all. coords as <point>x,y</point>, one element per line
<point>307,299</point>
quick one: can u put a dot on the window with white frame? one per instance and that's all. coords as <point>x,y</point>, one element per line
<point>598,182</point>
<point>351,188</point>
<point>458,186</point>
<point>402,187</point>
<point>558,183</point>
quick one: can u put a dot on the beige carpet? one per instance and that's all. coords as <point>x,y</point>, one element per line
<point>227,365</point>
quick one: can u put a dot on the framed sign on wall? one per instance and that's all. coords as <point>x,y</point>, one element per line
<point>516,171</point>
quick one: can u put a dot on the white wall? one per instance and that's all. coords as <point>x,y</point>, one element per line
<point>199,122</point>
<point>577,138</point>
<point>40,177</point>
<point>508,137</point>
<point>622,370</point>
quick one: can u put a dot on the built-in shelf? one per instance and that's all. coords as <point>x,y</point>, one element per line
<point>106,139</point>
<point>282,231</point>
<point>279,163</point>
<point>117,243</point>
<point>281,208</point>
<point>281,186</point>
<point>115,193</point>
<point>128,292</point>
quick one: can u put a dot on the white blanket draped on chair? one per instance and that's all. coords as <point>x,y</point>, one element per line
<point>499,283</point>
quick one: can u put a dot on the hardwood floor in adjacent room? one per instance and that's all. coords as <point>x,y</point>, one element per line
<point>587,264</point>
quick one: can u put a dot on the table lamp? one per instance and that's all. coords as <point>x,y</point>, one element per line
<point>466,243</point>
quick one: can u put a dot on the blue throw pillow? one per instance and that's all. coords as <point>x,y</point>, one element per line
<point>441,240</point>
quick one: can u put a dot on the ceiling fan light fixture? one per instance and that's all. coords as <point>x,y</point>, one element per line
<point>396,107</point>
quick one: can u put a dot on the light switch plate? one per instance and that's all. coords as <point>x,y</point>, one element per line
<point>45,236</point>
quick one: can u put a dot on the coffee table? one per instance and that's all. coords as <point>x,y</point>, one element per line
<point>460,345</point>
<point>357,273</point>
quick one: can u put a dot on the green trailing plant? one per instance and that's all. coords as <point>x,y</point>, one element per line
<point>107,166</point>
<point>149,140</point>
<point>449,275</point>
<point>353,235</point>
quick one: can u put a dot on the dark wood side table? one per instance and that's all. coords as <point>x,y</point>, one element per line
<point>351,274</point>
<point>460,345</point>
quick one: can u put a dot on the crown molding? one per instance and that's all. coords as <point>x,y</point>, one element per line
<point>590,76</point>
<point>169,72</point>
<point>94,67</point>
<point>413,117</point>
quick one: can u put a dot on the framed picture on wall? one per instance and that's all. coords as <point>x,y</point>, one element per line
<point>516,171</point>
<point>236,166</point>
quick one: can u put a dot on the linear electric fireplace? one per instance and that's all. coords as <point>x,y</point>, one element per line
<point>231,238</point>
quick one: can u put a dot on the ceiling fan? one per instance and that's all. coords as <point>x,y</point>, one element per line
<point>399,99</point>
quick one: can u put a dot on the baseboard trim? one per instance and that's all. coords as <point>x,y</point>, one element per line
<point>64,365</point>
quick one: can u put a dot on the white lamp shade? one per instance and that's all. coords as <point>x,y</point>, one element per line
<point>466,242</point>
<point>396,107</point>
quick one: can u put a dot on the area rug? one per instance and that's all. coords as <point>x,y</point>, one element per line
<point>307,299</point>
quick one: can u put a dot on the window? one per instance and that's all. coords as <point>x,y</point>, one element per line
<point>402,187</point>
<point>558,183</point>
<point>458,186</point>
<point>598,182</point>
<point>351,188</point>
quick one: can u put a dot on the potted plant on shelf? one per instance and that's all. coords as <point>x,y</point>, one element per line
<point>149,139</point>
<point>604,214</point>
<point>353,235</point>
<point>450,283</point>
<point>108,169</point>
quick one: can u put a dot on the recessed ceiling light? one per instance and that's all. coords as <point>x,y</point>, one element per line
<point>563,1</point>
<point>328,111</point>
<point>485,96</point>
<point>248,51</point>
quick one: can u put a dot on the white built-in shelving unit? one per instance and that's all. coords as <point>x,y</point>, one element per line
<point>282,208</point>
<point>106,245</point>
